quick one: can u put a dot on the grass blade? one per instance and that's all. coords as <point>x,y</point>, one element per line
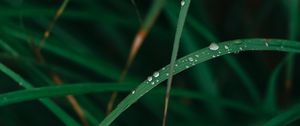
<point>200,56</point>
<point>284,118</point>
<point>293,6</point>
<point>60,113</point>
<point>62,90</point>
<point>182,17</point>
<point>270,104</point>
<point>137,43</point>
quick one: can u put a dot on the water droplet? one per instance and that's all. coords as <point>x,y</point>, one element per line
<point>197,55</point>
<point>157,80</point>
<point>155,74</point>
<point>191,59</point>
<point>237,41</point>
<point>213,56</point>
<point>182,2</point>
<point>186,66</point>
<point>152,83</point>
<point>241,48</point>
<point>226,47</point>
<point>133,92</point>
<point>219,52</point>
<point>213,46</point>
<point>163,68</point>
<point>267,44</point>
<point>149,78</point>
<point>176,65</point>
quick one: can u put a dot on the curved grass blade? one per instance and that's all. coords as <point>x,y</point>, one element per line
<point>181,20</point>
<point>8,48</point>
<point>98,65</point>
<point>60,113</point>
<point>200,56</point>
<point>285,118</point>
<point>84,88</point>
<point>270,104</point>
<point>240,72</point>
<point>62,90</point>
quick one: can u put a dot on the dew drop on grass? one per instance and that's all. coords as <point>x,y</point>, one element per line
<point>267,44</point>
<point>237,41</point>
<point>182,2</point>
<point>133,92</point>
<point>152,83</point>
<point>241,48</point>
<point>213,46</point>
<point>213,56</point>
<point>226,47</point>
<point>155,74</point>
<point>167,74</point>
<point>149,78</point>
<point>191,59</point>
<point>197,55</point>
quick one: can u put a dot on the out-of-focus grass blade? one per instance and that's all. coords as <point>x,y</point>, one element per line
<point>60,113</point>
<point>144,30</point>
<point>8,48</point>
<point>62,90</point>
<point>197,57</point>
<point>270,103</point>
<point>286,117</point>
<point>99,66</point>
<point>137,43</point>
<point>293,11</point>
<point>84,88</point>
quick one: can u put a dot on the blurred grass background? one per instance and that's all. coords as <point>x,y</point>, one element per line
<point>92,39</point>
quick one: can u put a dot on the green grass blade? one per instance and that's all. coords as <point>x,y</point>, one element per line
<point>293,6</point>
<point>200,56</point>
<point>202,73</point>
<point>60,113</point>
<point>99,66</point>
<point>284,118</point>
<point>181,19</point>
<point>63,90</point>
<point>270,104</point>
<point>8,48</point>
<point>238,69</point>
<point>84,88</point>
